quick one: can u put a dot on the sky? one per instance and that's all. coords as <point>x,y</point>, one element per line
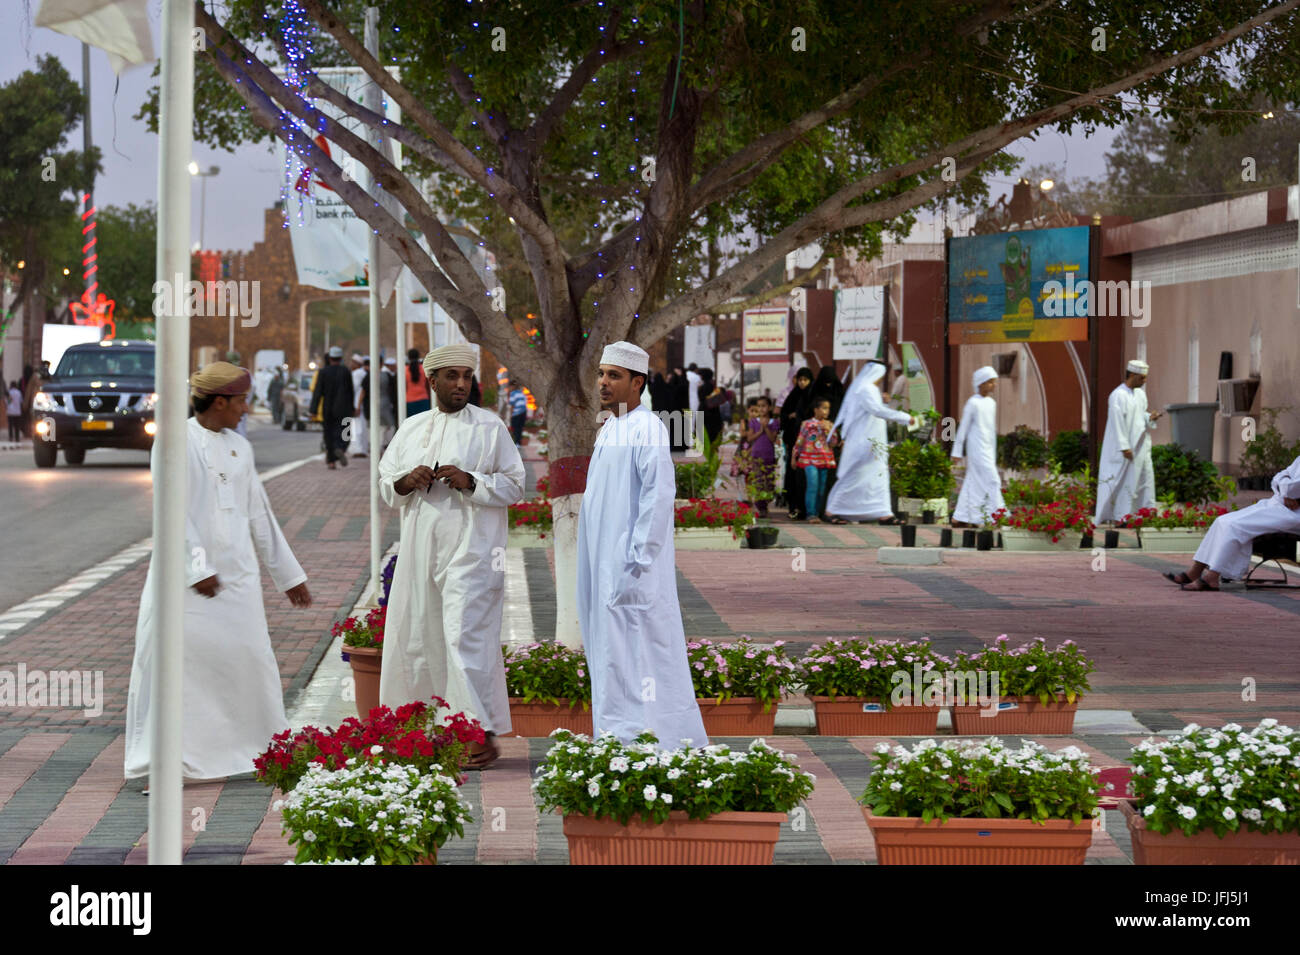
<point>250,179</point>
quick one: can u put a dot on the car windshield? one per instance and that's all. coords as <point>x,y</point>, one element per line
<point>106,363</point>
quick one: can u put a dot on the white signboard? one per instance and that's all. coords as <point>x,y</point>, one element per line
<point>699,345</point>
<point>859,320</point>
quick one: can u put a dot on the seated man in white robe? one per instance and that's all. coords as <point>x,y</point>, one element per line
<point>977,442</point>
<point>453,471</point>
<point>233,701</point>
<point>1225,552</point>
<point>627,573</point>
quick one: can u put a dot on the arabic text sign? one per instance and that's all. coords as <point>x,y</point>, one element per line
<point>859,319</point>
<point>766,335</point>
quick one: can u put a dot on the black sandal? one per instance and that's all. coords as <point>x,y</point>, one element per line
<point>1198,585</point>
<point>1176,579</point>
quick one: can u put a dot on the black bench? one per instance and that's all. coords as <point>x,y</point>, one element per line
<point>1279,549</point>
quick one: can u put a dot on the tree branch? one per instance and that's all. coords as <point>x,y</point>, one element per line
<point>729,308</point>
<point>544,125</point>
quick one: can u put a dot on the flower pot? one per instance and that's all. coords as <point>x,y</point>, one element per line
<point>909,535</point>
<point>1171,540</point>
<point>906,840</point>
<point>945,537</point>
<point>539,719</point>
<point>917,506</point>
<point>726,838</point>
<point>984,540</point>
<point>1112,540</point>
<point>968,539</point>
<point>1021,715</point>
<point>365,662</point>
<point>705,538</point>
<point>1243,847</point>
<point>1016,539</point>
<point>738,716</point>
<point>927,517</point>
<point>761,537</point>
<point>857,716</point>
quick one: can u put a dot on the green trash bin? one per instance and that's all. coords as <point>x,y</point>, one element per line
<point>1193,426</point>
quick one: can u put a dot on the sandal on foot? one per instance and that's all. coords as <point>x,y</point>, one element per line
<point>837,520</point>
<point>1199,585</point>
<point>1180,578</point>
<point>486,756</point>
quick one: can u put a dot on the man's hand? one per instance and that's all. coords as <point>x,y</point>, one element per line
<point>208,587</point>
<point>1291,503</point>
<point>452,476</point>
<point>1155,415</point>
<point>1128,454</point>
<point>299,596</point>
<point>420,479</point>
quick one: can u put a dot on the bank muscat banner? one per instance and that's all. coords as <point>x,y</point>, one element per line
<point>995,286</point>
<point>765,335</point>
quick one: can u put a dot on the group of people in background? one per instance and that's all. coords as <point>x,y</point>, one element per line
<point>16,402</point>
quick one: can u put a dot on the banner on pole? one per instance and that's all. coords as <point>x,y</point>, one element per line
<point>765,335</point>
<point>859,320</point>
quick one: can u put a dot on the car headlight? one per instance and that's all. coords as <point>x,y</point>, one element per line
<point>43,402</point>
<point>147,403</point>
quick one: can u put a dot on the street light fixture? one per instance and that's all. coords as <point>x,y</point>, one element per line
<point>203,193</point>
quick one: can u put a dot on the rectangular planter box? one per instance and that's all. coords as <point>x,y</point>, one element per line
<point>521,537</point>
<point>1021,715</point>
<point>538,719</point>
<point>739,716</point>
<point>916,506</point>
<point>854,716</point>
<point>727,838</point>
<point>705,538</point>
<point>905,840</point>
<point>1172,540</point>
<point>1015,539</point>
<point>1205,848</point>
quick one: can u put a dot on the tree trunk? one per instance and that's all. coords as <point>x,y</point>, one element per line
<point>571,430</point>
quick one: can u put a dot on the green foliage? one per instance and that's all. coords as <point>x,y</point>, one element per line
<point>1068,451</point>
<point>1022,450</point>
<point>548,673</point>
<point>1032,669</point>
<point>1183,478</point>
<point>127,243</point>
<point>920,470</point>
<point>1269,452</point>
<point>863,668</point>
<point>695,479</point>
<point>981,778</point>
<point>721,671</point>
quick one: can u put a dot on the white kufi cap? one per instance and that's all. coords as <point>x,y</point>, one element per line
<point>987,373</point>
<point>626,355</point>
<point>1138,367</point>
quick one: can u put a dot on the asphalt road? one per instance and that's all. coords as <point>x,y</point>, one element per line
<point>57,522</point>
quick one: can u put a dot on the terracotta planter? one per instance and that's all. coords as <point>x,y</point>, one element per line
<point>727,838</point>
<point>1015,539</point>
<point>1020,715</point>
<point>1171,540</point>
<point>905,840</point>
<point>365,663</point>
<point>739,716</point>
<point>1205,848</point>
<point>856,716</point>
<point>538,719</point>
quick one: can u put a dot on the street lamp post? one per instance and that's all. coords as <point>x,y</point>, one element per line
<point>203,208</point>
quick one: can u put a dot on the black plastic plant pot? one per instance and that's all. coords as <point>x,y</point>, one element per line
<point>761,537</point>
<point>909,535</point>
<point>968,538</point>
<point>927,517</point>
<point>1112,539</point>
<point>984,540</point>
<point>945,537</point>
<point>1086,541</point>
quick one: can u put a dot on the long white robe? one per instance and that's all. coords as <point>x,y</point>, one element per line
<point>977,442</point>
<point>232,698</point>
<point>1125,487</point>
<point>861,490</point>
<point>1227,545</point>
<point>627,587</point>
<point>360,431</point>
<point>442,633</point>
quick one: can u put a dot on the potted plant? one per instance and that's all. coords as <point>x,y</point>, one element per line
<point>636,804</point>
<point>921,476</point>
<point>530,521</point>
<point>1059,525</point>
<point>1024,449</point>
<point>852,685</point>
<point>760,534</point>
<point>416,734</point>
<point>549,688</point>
<point>738,685</point>
<point>976,802</point>
<point>1268,452</point>
<point>371,809</point>
<point>1068,452</point>
<point>1177,529</point>
<point>363,648</point>
<point>1183,478</point>
<point>710,524</point>
<point>1216,797</point>
<point>1037,689</point>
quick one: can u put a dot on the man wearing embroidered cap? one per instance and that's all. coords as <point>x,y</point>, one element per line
<point>1126,480</point>
<point>977,442</point>
<point>451,472</point>
<point>627,574</point>
<point>231,690</point>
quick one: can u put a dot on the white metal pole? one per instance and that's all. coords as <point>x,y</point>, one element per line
<point>400,355</point>
<point>175,124</point>
<point>372,94</point>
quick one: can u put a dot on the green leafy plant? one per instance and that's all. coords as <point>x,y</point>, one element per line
<point>1068,451</point>
<point>1023,449</point>
<point>605,778</point>
<point>1183,478</point>
<point>548,673</point>
<point>1222,780</point>
<point>904,461</point>
<point>863,668</point>
<point>1268,452</point>
<point>983,779</point>
<point>711,512</point>
<point>1033,670</point>
<point>920,470</point>
<point>722,671</point>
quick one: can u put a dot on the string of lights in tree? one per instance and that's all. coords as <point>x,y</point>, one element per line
<point>296,30</point>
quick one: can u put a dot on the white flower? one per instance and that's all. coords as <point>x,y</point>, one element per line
<point>1254,815</point>
<point>619,764</point>
<point>674,773</point>
<point>896,786</point>
<point>706,783</point>
<point>650,793</point>
<point>1275,802</point>
<point>1187,812</point>
<point>667,798</point>
<point>882,747</point>
<point>309,836</point>
<point>1149,810</point>
<point>1229,814</point>
<point>593,788</point>
<point>376,750</point>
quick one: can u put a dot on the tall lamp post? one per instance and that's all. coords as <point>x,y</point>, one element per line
<point>203,208</point>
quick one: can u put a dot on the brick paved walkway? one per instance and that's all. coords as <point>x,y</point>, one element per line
<point>1166,656</point>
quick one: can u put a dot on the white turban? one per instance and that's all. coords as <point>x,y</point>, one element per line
<point>450,356</point>
<point>1138,367</point>
<point>872,372</point>
<point>626,355</point>
<point>987,373</point>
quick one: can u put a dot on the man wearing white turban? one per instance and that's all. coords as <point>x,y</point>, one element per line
<point>1126,480</point>
<point>627,572</point>
<point>861,492</point>
<point>977,442</point>
<point>452,472</point>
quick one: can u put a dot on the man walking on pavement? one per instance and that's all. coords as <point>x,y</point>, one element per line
<point>360,445</point>
<point>452,472</point>
<point>518,411</point>
<point>334,398</point>
<point>231,682</point>
<point>1126,480</point>
<point>627,575</point>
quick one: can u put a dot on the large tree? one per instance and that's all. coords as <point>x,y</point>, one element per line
<point>646,160</point>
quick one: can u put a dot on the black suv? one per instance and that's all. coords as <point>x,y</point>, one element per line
<point>101,396</point>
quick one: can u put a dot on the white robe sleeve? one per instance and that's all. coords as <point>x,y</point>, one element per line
<point>268,538</point>
<point>1281,478</point>
<point>197,565</point>
<point>392,470</point>
<point>504,484</point>
<point>654,505</point>
<point>1120,410</point>
<point>873,404</point>
<point>963,430</point>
